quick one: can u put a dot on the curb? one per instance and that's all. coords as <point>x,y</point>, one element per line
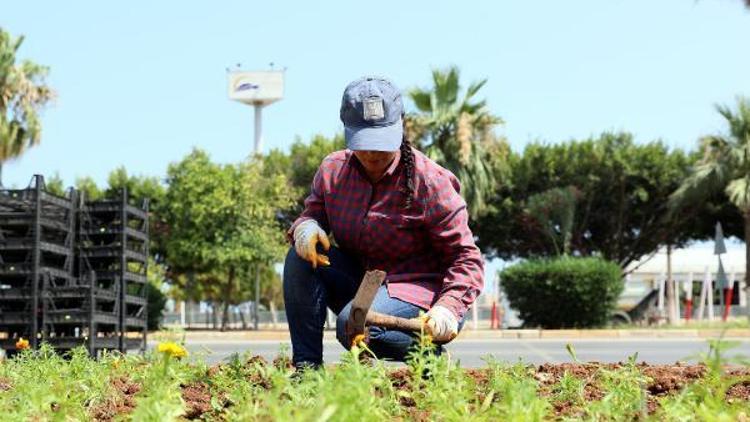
<point>283,335</point>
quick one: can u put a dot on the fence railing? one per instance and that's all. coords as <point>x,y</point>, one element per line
<point>238,319</point>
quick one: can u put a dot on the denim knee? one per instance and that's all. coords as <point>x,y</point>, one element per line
<point>341,319</point>
<point>296,277</point>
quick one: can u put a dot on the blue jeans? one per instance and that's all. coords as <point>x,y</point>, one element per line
<point>307,294</point>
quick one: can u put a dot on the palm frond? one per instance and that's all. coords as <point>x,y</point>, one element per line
<point>473,89</point>
<point>446,86</point>
<point>706,178</point>
<point>739,121</point>
<point>738,191</point>
<point>422,99</point>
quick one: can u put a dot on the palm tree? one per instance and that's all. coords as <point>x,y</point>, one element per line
<point>23,93</point>
<point>456,131</point>
<point>725,165</point>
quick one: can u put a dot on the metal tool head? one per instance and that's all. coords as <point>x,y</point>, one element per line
<point>355,326</point>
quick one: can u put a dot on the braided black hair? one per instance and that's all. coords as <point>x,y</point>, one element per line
<point>407,156</point>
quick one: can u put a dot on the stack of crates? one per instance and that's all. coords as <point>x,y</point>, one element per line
<point>37,231</point>
<point>72,272</point>
<point>113,251</point>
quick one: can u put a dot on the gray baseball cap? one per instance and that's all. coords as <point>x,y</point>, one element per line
<point>371,110</point>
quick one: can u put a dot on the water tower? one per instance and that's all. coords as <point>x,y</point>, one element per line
<point>257,89</point>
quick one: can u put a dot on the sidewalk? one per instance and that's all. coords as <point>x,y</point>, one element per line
<point>283,335</point>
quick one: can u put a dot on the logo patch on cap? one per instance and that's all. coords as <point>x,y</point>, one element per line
<point>373,109</point>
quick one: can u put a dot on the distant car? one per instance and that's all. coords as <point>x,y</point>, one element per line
<point>636,303</point>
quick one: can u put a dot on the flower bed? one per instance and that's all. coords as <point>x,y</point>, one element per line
<point>163,385</point>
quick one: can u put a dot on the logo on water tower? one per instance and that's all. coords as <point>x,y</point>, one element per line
<point>245,86</point>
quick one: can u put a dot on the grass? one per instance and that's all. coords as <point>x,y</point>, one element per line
<point>159,386</point>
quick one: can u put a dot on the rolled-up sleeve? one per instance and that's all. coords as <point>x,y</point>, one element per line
<point>315,207</point>
<point>448,227</point>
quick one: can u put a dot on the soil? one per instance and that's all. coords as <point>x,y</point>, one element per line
<point>4,385</point>
<point>671,379</point>
<point>401,381</point>
<point>548,375</point>
<point>663,380</point>
<point>197,394</point>
<point>741,389</point>
<point>121,403</point>
<point>197,399</point>
<point>282,362</point>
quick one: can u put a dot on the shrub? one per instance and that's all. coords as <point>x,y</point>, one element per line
<point>563,292</point>
<point>156,303</point>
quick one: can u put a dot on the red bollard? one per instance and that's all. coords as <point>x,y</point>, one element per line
<point>493,317</point>
<point>728,302</point>
<point>688,309</point>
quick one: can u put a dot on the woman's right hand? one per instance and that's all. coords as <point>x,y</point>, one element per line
<point>306,237</point>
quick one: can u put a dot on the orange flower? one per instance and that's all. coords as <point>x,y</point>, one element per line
<point>22,344</point>
<point>359,338</point>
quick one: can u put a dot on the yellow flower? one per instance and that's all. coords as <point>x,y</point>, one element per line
<point>359,338</point>
<point>172,349</point>
<point>22,344</point>
<point>426,340</point>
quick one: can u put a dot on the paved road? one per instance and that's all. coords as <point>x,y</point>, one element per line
<point>472,352</point>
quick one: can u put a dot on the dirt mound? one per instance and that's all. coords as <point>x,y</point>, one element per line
<point>671,379</point>
<point>739,391</point>
<point>197,399</point>
<point>569,397</point>
<point>122,402</point>
<point>556,371</point>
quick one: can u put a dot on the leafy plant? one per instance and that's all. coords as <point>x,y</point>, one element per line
<point>563,292</point>
<point>154,387</point>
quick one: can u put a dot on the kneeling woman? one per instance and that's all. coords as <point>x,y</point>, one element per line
<point>389,208</point>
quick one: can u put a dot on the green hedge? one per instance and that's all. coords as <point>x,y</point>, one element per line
<point>563,292</point>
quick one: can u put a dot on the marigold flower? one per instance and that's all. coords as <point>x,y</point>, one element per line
<point>359,338</point>
<point>172,349</point>
<point>22,344</point>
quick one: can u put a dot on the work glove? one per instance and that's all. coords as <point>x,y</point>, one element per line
<point>306,237</point>
<point>442,323</point>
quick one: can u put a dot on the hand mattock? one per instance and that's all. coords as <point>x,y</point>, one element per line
<point>361,315</point>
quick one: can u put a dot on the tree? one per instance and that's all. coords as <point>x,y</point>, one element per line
<point>456,131</point>
<point>23,93</point>
<point>299,167</point>
<point>139,188</point>
<point>620,212</point>
<point>554,212</point>
<point>724,166</point>
<point>157,300</point>
<point>222,222</point>
<point>54,184</point>
<point>88,188</point>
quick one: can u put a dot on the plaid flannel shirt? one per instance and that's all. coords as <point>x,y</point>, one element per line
<point>427,251</point>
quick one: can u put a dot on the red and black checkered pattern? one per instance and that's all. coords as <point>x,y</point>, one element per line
<point>427,250</point>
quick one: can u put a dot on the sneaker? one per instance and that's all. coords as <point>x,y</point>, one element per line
<point>300,368</point>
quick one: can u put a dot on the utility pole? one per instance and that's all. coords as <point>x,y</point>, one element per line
<point>258,89</point>
<point>672,316</point>
<point>256,316</point>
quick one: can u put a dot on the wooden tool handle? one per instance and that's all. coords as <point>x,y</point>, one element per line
<point>397,323</point>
